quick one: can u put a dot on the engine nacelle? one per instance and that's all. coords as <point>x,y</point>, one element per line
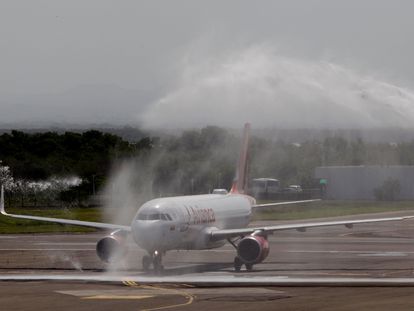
<point>112,247</point>
<point>253,249</point>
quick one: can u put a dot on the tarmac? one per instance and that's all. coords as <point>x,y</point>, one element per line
<point>369,266</point>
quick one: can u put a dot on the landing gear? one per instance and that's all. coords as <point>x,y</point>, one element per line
<point>155,260</point>
<point>237,263</point>
<point>146,263</point>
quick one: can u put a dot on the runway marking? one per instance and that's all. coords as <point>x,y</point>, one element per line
<point>47,249</point>
<point>384,254</point>
<point>65,243</point>
<point>217,280</point>
<point>360,253</point>
<point>368,232</point>
<point>106,294</point>
<point>188,296</point>
<point>114,297</point>
<point>337,274</point>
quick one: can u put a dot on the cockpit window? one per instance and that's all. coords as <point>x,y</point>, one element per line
<point>143,216</point>
<point>154,216</point>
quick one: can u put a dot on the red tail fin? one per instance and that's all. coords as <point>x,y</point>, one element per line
<point>240,181</point>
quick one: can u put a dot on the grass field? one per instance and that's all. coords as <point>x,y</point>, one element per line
<point>330,209</point>
<point>288,212</point>
<point>13,225</point>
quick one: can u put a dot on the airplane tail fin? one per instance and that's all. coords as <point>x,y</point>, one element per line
<point>240,180</point>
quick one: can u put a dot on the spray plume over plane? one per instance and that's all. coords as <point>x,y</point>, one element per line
<point>197,222</point>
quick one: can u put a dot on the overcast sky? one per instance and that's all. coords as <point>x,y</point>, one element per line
<point>190,63</point>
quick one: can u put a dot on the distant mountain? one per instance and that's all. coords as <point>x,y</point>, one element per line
<point>86,104</point>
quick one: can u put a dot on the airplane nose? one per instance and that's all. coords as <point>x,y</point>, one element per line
<point>148,234</point>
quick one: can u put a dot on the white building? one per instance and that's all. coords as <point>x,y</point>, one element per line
<point>360,182</point>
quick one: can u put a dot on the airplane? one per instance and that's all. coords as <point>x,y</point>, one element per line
<point>197,222</point>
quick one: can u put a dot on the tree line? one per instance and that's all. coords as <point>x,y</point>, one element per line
<point>196,161</point>
<point>39,164</point>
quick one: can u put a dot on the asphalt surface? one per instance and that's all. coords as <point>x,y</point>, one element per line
<point>293,277</point>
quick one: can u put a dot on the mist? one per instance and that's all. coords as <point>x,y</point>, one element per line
<point>128,187</point>
<point>183,64</point>
<point>269,89</point>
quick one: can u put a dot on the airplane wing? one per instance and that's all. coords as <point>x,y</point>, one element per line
<point>62,221</point>
<point>284,203</point>
<point>229,233</point>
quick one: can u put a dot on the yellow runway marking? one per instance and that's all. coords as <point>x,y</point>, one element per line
<point>188,296</point>
<point>108,297</point>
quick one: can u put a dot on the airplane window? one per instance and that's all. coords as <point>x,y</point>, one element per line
<point>153,216</point>
<point>166,217</point>
<point>142,216</point>
<point>149,216</point>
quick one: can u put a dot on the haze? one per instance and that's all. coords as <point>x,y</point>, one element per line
<point>168,64</point>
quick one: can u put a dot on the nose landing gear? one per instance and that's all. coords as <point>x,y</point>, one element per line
<point>155,259</point>
<point>146,263</point>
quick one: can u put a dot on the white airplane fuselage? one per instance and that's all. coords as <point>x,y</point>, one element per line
<point>185,222</point>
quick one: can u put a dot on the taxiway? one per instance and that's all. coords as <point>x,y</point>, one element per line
<point>325,268</point>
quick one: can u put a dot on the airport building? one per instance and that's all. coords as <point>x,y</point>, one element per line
<point>363,182</point>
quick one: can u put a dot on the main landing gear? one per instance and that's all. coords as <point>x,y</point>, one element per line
<point>155,259</point>
<point>238,263</point>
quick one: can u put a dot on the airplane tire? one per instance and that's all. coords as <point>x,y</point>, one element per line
<point>249,267</point>
<point>237,264</point>
<point>146,263</point>
<point>158,267</point>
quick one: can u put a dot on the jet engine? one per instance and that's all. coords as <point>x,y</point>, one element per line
<point>253,249</point>
<point>112,247</point>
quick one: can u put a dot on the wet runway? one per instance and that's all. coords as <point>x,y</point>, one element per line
<point>315,270</point>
